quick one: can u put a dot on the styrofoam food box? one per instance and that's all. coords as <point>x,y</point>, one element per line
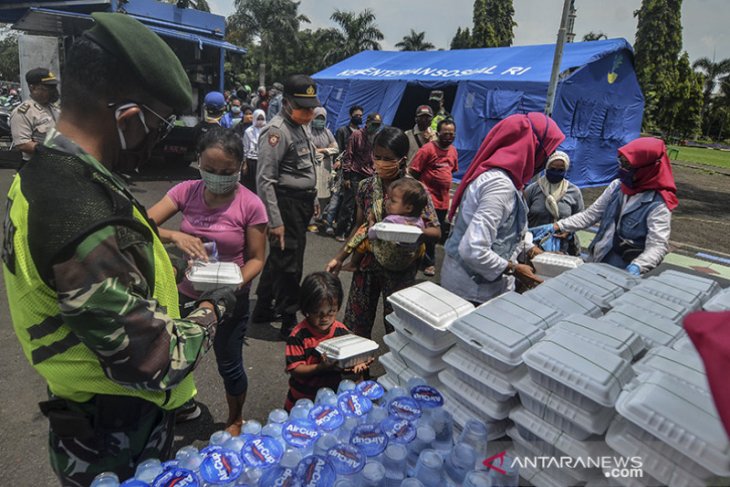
<point>491,382</point>
<point>684,344</point>
<point>397,232</point>
<point>427,351</point>
<point>399,371</point>
<point>672,291</point>
<point>654,329</point>
<point>428,310</point>
<point>558,411</point>
<point>531,449</point>
<point>565,445</point>
<point>526,309</point>
<point>474,399</point>
<point>214,275</point>
<point>550,265</point>
<point>660,460</point>
<point>651,303</point>
<point>685,365</point>
<point>719,302</point>
<point>498,338</point>
<point>348,350</point>
<point>565,362</point>
<point>406,351</point>
<point>680,414</point>
<point>605,272</point>
<point>705,286</point>
<point>621,341</point>
<point>387,381</point>
<point>462,413</point>
<point>567,301</point>
<point>598,291</point>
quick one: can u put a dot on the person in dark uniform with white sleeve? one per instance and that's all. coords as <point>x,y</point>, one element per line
<point>286,182</point>
<point>34,118</point>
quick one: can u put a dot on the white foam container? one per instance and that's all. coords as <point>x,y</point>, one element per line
<point>704,286</point>
<point>684,344</point>
<point>685,365</point>
<point>672,291</point>
<point>348,350</point>
<point>399,371</point>
<point>567,301</point>
<point>563,362</point>
<point>498,338</point>
<point>660,460</point>
<point>564,445</point>
<point>719,302</point>
<point>598,291</point>
<point>556,410</point>
<point>406,351</point>
<point>549,264</point>
<point>463,413</point>
<point>214,275</point>
<point>654,329</point>
<point>593,271</point>
<point>387,381</point>
<point>427,311</point>
<point>526,309</point>
<point>425,350</point>
<point>651,303</point>
<point>397,232</point>
<point>680,414</point>
<point>621,341</point>
<point>526,449</point>
<point>474,399</point>
<point>489,381</point>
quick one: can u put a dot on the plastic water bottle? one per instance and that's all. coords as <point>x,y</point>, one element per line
<point>278,416</point>
<point>475,434</point>
<point>274,430</point>
<point>443,425</point>
<point>305,403</point>
<point>325,442</point>
<point>376,415</point>
<point>301,409</point>
<point>429,468</point>
<point>478,478</point>
<point>251,427</point>
<point>325,395</point>
<point>148,470</point>
<point>395,460</point>
<point>411,482</point>
<point>373,475</point>
<point>219,437</point>
<point>106,479</point>
<point>345,385</point>
<point>189,458</point>
<point>459,462</point>
<point>292,457</point>
<point>510,477</point>
<point>424,439</point>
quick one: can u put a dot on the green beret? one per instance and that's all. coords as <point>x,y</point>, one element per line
<point>149,57</point>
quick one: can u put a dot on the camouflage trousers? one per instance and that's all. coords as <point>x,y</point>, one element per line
<point>106,434</point>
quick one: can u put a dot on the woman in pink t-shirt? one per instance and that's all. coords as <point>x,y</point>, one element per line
<point>219,209</point>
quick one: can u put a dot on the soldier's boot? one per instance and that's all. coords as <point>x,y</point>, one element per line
<point>234,423</point>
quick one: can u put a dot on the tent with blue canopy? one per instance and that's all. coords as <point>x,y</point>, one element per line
<point>598,105</point>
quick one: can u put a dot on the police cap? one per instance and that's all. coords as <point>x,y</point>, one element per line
<point>302,90</point>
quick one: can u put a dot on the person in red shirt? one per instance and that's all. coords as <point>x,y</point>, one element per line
<point>320,298</point>
<point>434,165</point>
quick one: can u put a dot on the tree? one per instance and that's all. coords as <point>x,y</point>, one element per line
<point>683,105</point>
<point>713,72</point>
<point>594,36</point>
<point>414,42</point>
<point>196,4</point>
<point>357,32</point>
<point>462,39</point>
<point>9,60</point>
<point>658,44</point>
<point>493,24</point>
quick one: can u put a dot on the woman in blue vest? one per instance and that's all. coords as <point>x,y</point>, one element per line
<point>635,211</point>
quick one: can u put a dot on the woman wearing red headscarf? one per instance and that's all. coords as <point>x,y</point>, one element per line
<point>491,220</point>
<point>635,211</point>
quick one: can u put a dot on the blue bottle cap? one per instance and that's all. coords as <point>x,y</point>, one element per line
<point>399,430</point>
<point>280,476</point>
<point>221,466</point>
<point>177,477</point>
<point>347,459</point>
<point>135,483</point>
<point>262,452</point>
<point>427,396</point>
<point>300,433</point>
<point>170,464</point>
<point>316,471</point>
<point>370,438</point>
<point>405,407</point>
<point>370,389</point>
<point>353,404</point>
<point>326,417</point>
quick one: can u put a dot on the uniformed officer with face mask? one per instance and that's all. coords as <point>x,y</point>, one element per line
<point>286,182</point>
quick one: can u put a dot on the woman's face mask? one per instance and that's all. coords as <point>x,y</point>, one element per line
<point>626,176</point>
<point>387,169</point>
<point>554,176</point>
<point>260,122</point>
<point>218,183</point>
<point>318,123</point>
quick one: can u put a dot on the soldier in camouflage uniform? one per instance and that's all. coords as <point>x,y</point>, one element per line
<point>92,291</point>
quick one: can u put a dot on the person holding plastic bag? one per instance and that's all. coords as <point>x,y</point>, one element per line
<point>634,213</point>
<point>551,198</point>
<point>488,232</point>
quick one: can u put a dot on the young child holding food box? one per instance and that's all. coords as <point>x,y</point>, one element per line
<point>406,200</point>
<point>320,298</point>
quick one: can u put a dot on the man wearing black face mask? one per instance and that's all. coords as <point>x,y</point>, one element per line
<point>91,289</point>
<point>33,119</point>
<point>421,133</point>
<point>343,133</point>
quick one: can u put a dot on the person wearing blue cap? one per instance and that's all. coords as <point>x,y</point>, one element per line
<point>214,107</point>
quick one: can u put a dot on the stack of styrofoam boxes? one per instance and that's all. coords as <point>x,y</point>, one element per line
<point>719,302</point>
<point>667,418</point>
<point>576,373</point>
<point>487,358</point>
<point>422,316</point>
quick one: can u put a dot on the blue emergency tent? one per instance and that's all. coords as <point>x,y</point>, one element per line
<point>599,104</point>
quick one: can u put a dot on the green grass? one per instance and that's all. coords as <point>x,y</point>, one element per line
<point>711,157</point>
